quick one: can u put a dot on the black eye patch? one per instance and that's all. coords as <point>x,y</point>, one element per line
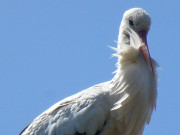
<point>131,23</point>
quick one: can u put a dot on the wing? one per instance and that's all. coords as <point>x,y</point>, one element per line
<point>83,113</point>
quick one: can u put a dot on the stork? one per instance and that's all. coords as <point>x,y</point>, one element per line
<point>121,106</point>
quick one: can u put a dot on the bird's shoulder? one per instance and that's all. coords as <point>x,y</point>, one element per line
<point>71,115</point>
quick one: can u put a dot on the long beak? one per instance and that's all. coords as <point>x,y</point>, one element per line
<point>145,51</point>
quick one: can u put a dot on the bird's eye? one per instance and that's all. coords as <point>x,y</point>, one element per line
<point>131,23</point>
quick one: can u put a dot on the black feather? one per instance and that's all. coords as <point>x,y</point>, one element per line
<point>24,129</point>
<point>77,133</point>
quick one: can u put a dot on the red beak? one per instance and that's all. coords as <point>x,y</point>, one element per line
<point>145,51</point>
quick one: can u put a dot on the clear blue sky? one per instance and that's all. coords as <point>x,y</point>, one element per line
<point>52,49</point>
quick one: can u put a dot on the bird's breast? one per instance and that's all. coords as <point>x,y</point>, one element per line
<point>134,94</point>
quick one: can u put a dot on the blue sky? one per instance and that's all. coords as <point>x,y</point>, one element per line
<point>52,49</point>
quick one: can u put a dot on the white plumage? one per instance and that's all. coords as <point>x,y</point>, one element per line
<point>121,106</point>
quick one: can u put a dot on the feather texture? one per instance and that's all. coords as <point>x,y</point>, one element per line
<point>121,106</point>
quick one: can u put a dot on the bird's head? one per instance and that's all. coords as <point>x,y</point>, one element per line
<point>137,19</point>
<point>133,32</point>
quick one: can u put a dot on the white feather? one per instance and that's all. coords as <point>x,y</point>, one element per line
<point>121,106</point>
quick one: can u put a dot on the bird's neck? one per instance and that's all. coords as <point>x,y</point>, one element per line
<point>133,83</point>
<point>123,38</point>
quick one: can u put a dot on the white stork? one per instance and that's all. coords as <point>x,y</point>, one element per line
<point>121,106</point>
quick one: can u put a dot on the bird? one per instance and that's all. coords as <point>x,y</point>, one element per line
<point>121,106</point>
